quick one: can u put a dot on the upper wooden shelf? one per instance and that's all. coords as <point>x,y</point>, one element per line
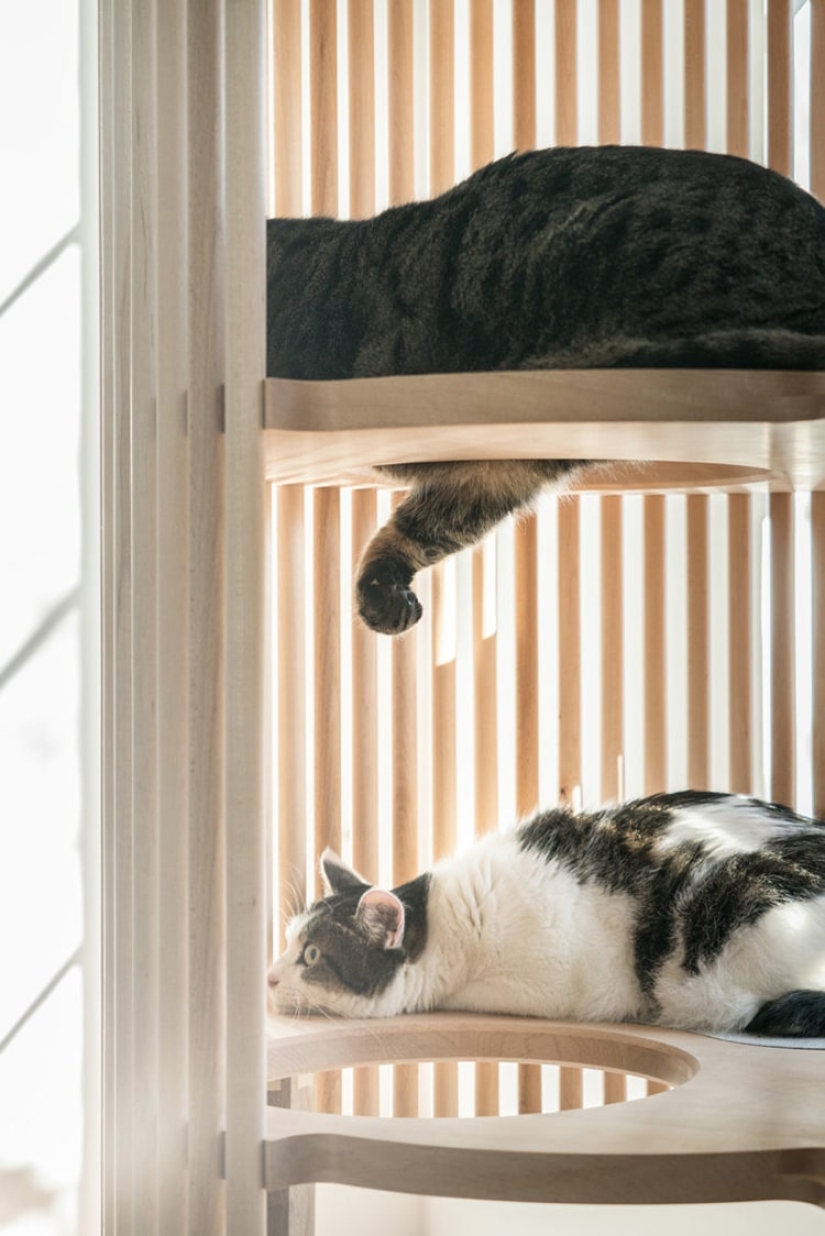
<point>658,428</point>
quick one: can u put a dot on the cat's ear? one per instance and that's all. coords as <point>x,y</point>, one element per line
<point>381,915</point>
<point>337,877</point>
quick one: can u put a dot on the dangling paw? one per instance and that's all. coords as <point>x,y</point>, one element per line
<point>385,600</point>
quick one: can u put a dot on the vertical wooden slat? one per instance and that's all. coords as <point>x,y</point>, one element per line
<point>569,663</point>
<point>108,575</point>
<point>656,1087</point>
<point>486,774</point>
<point>443,683</point>
<point>481,82</point>
<point>655,763</point>
<point>365,757</point>
<point>527,723</point>
<point>569,651</point>
<point>327,713</point>
<point>695,105</point>
<point>653,100</point>
<point>122,620</point>
<point>524,74</point>
<point>173,642</point>
<point>442,96</point>
<point>245,197</point>
<point>818,612</point>
<point>818,99</point>
<point>400,99</point>
<point>739,642</point>
<point>323,94</point>
<point>144,608</point>
<point>206,623</point>
<point>612,647</point>
<point>698,635</point>
<point>286,85</point>
<point>615,1088</point>
<point>566,118</point>
<point>361,30</point>
<point>609,93</point>
<point>443,730</point>
<point>292,720</point>
<point>570,1089</point>
<point>779,86</point>
<point>782,650</point>
<point>737,78</point>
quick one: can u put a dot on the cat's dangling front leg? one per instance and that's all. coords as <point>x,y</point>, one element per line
<point>452,506</point>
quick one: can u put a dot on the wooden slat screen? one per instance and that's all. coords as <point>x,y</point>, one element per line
<point>675,738</point>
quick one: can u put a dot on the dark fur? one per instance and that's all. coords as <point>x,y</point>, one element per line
<point>565,258</point>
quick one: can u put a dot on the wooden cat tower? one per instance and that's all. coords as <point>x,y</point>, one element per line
<point>192,433</point>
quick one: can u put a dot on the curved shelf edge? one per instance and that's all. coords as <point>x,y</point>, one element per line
<point>660,428</point>
<point>746,1122</point>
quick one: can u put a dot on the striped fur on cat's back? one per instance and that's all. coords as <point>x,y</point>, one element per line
<point>696,911</point>
<point>569,258</point>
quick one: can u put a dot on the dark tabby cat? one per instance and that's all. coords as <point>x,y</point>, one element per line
<point>564,258</point>
<point>695,911</point>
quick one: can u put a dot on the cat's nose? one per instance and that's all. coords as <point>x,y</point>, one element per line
<point>272,980</point>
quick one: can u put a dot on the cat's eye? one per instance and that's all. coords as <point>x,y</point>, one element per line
<point>312,955</point>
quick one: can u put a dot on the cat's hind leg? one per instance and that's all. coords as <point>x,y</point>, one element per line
<point>451,506</point>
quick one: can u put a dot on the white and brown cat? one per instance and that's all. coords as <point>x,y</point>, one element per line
<point>697,911</point>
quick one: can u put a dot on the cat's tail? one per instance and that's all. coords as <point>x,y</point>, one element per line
<point>721,349</point>
<point>797,1014</point>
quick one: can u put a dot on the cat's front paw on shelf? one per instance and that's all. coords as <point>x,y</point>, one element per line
<point>386,602</point>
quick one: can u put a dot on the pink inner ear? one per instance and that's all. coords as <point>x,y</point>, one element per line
<point>383,916</point>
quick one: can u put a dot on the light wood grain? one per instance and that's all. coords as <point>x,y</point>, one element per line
<point>172,633</point>
<point>612,647</point>
<point>323,90</point>
<point>653,102</point>
<point>727,428</point>
<point>698,643</point>
<point>400,101</point>
<point>655,699</point>
<point>609,79</point>
<point>818,99</point>
<point>143,492</point>
<point>570,736</point>
<point>740,625</point>
<point>695,84</point>
<point>818,611</point>
<point>742,1123</point>
<point>782,723</point>
<point>779,86</point>
<point>566,40</point>
<point>205,380</point>
<point>481,82</point>
<point>121,885</point>
<point>245,326</point>
<point>738,106</point>
<point>361,50</point>
<point>442,95</point>
<point>286,89</point>
<point>524,74</point>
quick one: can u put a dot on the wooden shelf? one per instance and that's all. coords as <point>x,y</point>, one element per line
<point>743,1122</point>
<point>659,428</point>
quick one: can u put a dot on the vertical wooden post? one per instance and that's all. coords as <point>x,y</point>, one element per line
<point>207,892</point>
<point>245,196</point>
<point>818,499</point>
<point>566,117</point>
<point>442,100</point>
<point>173,640</point>
<point>481,82</point>
<point>142,488</point>
<point>737,75</point>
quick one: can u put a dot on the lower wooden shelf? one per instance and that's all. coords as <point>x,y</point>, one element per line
<point>742,1122</point>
